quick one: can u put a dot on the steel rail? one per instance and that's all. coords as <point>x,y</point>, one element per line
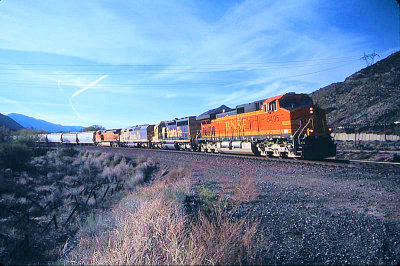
<point>326,162</point>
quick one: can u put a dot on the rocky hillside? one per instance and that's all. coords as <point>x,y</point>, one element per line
<point>368,97</point>
<point>9,123</point>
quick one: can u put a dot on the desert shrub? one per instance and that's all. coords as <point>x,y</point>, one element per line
<point>14,155</point>
<point>51,200</point>
<point>152,227</point>
<point>245,190</point>
<point>71,152</point>
<point>5,134</point>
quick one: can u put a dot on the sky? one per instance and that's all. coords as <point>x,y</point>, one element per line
<point>119,63</point>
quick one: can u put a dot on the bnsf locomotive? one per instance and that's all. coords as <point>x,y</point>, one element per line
<point>288,125</point>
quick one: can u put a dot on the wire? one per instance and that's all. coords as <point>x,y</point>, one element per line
<point>166,85</point>
<point>168,65</point>
<point>160,72</point>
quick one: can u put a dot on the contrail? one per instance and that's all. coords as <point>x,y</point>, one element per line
<point>82,90</point>
<point>89,86</point>
<point>59,87</point>
<point>73,108</point>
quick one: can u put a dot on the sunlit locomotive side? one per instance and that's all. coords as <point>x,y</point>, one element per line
<point>108,138</point>
<point>137,136</point>
<point>177,134</point>
<point>288,125</point>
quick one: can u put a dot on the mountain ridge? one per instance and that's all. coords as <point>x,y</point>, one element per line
<point>39,124</point>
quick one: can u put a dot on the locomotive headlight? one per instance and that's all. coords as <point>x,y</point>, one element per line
<point>311,110</point>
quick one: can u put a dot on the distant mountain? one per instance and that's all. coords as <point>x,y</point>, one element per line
<point>9,123</point>
<point>33,123</point>
<point>370,96</point>
<point>213,112</point>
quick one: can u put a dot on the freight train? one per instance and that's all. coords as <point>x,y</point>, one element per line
<point>288,125</point>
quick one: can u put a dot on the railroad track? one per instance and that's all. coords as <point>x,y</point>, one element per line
<point>326,162</point>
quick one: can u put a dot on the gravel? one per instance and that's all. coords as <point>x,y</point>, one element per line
<point>309,214</point>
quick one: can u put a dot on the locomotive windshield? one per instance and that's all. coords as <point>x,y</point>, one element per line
<point>293,102</point>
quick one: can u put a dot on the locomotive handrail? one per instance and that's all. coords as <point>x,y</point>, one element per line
<point>294,136</point>
<point>309,120</point>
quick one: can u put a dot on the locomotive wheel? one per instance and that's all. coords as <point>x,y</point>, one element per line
<point>283,155</point>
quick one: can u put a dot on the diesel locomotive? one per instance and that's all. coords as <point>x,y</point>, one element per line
<point>288,125</point>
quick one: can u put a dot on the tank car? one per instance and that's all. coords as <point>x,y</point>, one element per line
<point>288,125</point>
<point>137,136</point>
<point>177,134</point>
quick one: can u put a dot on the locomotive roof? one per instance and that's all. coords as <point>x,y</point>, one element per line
<point>286,94</point>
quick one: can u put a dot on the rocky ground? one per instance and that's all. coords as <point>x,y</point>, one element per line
<point>309,213</point>
<point>369,150</point>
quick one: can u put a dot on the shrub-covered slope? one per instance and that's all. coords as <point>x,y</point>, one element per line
<point>9,123</point>
<point>43,207</point>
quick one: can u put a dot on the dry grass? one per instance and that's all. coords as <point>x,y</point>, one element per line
<point>245,190</point>
<point>48,202</point>
<point>153,228</point>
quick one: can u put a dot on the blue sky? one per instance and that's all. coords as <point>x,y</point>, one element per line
<point>121,63</point>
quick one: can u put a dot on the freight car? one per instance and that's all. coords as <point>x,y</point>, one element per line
<point>86,138</point>
<point>54,138</point>
<point>69,138</point>
<point>288,125</point>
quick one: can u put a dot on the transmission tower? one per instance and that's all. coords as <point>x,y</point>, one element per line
<point>398,3</point>
<point>370,58</point>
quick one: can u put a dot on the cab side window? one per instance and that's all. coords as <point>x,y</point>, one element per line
<point>272,106</point>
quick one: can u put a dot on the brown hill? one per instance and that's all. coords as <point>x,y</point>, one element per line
<point>367,98</point>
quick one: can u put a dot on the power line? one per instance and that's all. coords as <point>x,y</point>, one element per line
<point>29,84</point>
<point>182,69</point>
<point>169,65</point>
<point>90,72</point>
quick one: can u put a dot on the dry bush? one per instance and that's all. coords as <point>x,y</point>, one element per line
<point>153,228</point>
<point>245,190</point>
<point>51,201</point>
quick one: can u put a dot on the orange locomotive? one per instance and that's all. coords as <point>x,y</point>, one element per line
<point>108,138</point>
<point>287,125</point>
